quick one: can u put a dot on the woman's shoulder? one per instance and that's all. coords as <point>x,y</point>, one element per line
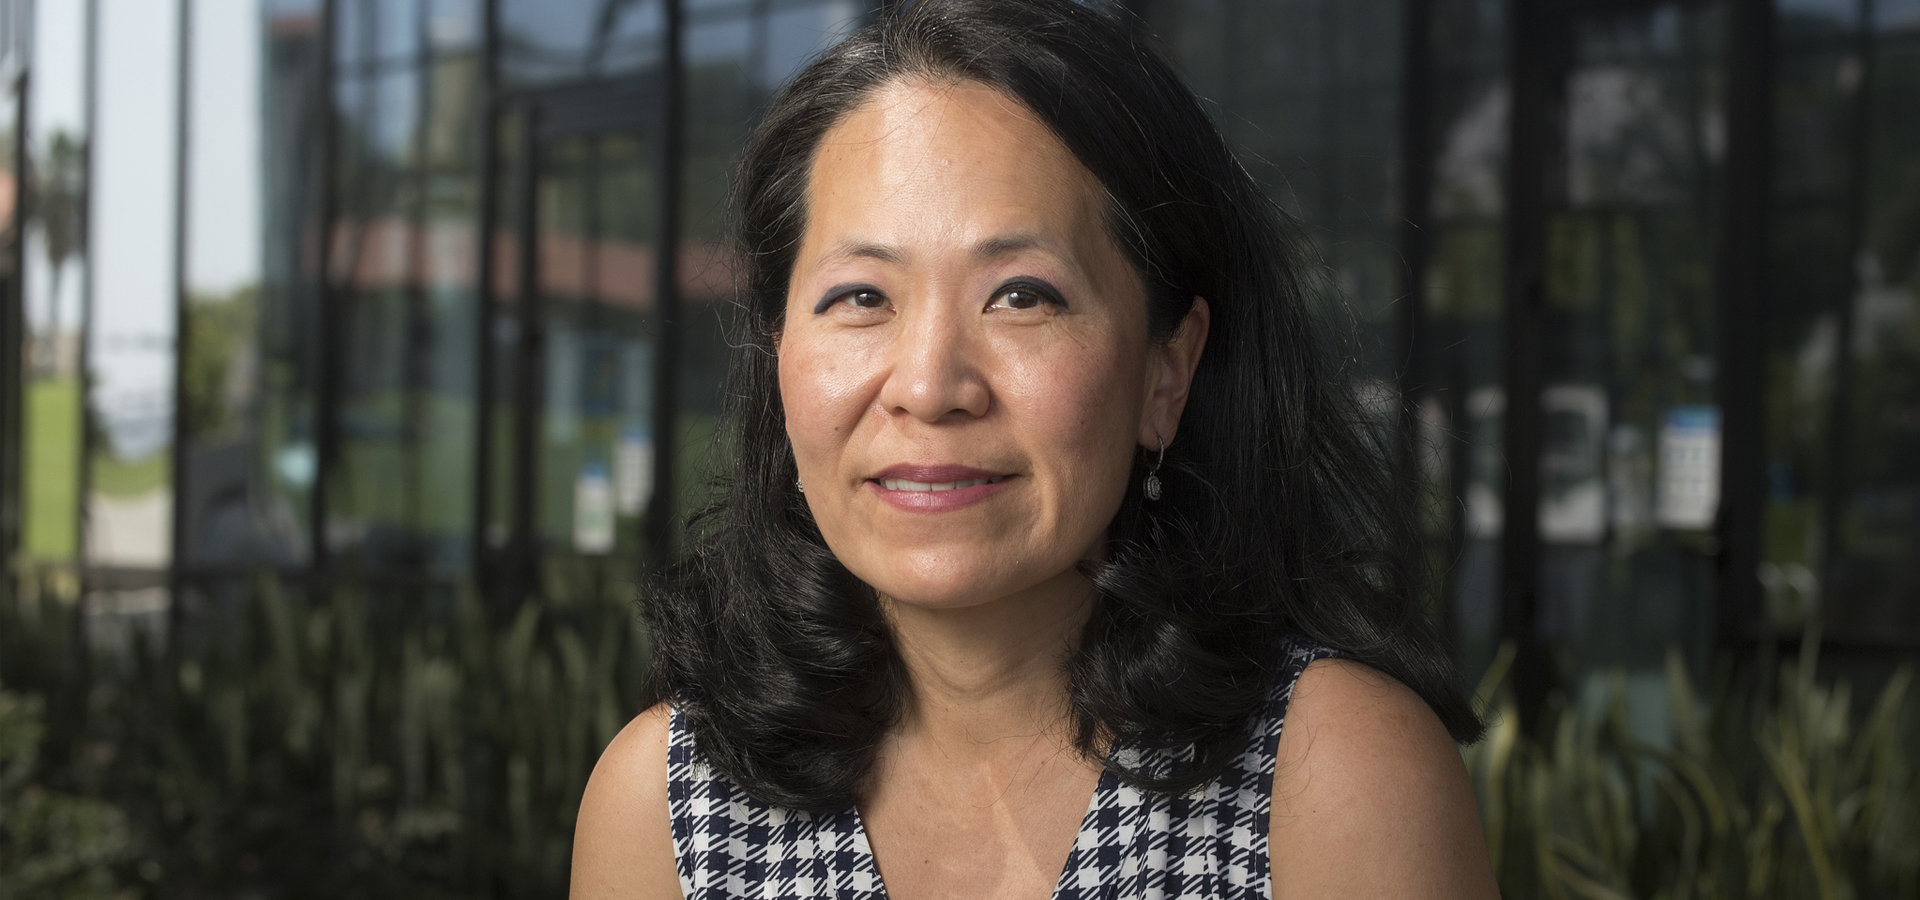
<point>623,838</point>
<point>1370,796</point>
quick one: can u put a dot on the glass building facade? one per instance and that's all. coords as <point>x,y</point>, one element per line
<point>431,292</point>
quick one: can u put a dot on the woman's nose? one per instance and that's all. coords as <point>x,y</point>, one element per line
<point>934,371</point>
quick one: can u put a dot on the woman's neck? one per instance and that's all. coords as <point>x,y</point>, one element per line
<point>980,675</point>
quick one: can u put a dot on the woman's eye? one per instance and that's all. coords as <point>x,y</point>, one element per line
<point>1020,298</point>
<point>856,296</point>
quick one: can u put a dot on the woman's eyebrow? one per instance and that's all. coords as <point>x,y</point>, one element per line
<point>993,248</point>
<point>864,250</point>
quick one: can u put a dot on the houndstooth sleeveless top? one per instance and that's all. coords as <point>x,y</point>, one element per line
<point>1211,843</point>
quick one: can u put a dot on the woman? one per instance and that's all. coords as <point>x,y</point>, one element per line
<point>1047,512</point>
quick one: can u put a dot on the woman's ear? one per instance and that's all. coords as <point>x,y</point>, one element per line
<point>1173,367</point>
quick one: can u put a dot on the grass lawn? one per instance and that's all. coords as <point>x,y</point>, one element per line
<point>118,478</point>
<point>51,480</point>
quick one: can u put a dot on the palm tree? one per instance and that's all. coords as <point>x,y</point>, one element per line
<point>59,202</point>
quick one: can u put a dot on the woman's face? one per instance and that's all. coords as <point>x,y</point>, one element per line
<point>965,362</point>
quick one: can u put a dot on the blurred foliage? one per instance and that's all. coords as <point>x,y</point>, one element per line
<point>218,374</point>
<point>1772,787</point>
<point>52,845</point>
<point>59,205</point>
<point>374,742</point>
<point>367,743</point>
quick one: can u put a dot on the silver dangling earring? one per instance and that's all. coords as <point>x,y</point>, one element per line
<point>800,484</point>
<point>1151,488</point>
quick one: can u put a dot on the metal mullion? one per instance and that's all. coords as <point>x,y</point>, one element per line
<point>84,481</point>
<point>1416,188</point>
<point>1415,245</point>
<point>1742,310</point>
<point>366,182</point>
<point>482,756</point>
<point>1231,27</point>
<point>1840,406</point>
<point>182,344</point>
<point>327,393</point>
<point>13,331</point>
<point>1329,110</point>
<point>758,14</point>
<point>483,293</point>
<point>666,355</point>
<point>525,539</point>
<point>1534,89</point>
<point>587,176</point>
<point>591,311</point>
<point>415,365</point>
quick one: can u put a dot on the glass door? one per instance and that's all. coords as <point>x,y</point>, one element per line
<point>579,340</point>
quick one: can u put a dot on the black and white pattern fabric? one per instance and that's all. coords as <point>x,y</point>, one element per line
<point>1132,845</point>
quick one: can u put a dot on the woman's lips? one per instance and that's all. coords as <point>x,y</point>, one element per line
<point>936,488</point>
<point>902,484</point>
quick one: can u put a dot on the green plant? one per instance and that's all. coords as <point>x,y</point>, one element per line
<point>401,742</point>
<point>52,844</point>
<point>1770,788</point>
<point>366,742</point>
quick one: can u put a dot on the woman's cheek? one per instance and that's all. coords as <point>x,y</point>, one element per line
<point>800,396</point>
<point>820,390</point>
<point>1089,399</point>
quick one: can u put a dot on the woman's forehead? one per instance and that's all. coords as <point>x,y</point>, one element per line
<point>952,164</point>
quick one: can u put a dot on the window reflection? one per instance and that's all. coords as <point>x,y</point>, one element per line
<point>545,41</point>
<point>1307,91</point>
<point>1630,343</point>
<point>595,447</point>
<point>234,417</point>
<point>403,264</point>
<point>1843,521</point>
<point>1876,573</point>
<point>454,25</point>
<point>1464,294</point>
<point>131,327</point>
<point>1894,16</point>
<point>378,172</point>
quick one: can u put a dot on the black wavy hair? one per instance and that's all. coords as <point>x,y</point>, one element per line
<point>1280,513</point>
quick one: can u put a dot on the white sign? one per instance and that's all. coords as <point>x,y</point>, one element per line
<point>1573,487</point>
<point>632,472</point>
<point>1689,468</point>
<point>593,510</point>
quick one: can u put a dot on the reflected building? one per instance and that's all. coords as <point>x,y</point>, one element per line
<point>424,293</point>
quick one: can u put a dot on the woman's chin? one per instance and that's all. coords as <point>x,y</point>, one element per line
<point>934,593</point>
<point>955,591</point>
